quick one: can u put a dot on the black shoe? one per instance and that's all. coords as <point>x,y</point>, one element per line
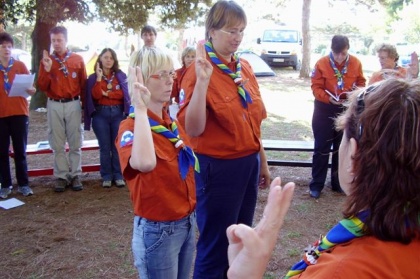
<point>314,194</point>
<point>337,190</point>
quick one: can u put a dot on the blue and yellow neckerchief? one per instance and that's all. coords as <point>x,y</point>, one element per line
<point>337,73</point>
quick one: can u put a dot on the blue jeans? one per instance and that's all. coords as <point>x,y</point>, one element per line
<point>164,250</point>
<point>227,191</point>
<point>105,123</point>
<point>15,128</point>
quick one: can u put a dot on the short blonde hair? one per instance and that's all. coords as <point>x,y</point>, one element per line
<point>150,60</point>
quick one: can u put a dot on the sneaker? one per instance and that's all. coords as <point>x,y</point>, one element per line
<point>61,185</point>
<point>25,191</point>
<point>5,192</point>
<point>120,183</point>
<point>107,184</point>
<point>76,184</point>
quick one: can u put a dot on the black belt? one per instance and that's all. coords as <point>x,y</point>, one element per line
<point>64,100</point>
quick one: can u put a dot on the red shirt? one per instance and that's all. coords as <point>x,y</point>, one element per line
<point>11,106</point>
<point>115,95</point>
<point>323,77</point>
<point>231,131</point>
<point>161,194</point>
<point>57,86</point>
<point>366,258</point>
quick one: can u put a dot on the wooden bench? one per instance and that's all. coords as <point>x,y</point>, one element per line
<point>44,148</point>
<point>287,146</point>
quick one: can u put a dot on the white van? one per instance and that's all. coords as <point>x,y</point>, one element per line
<point>281,46</point>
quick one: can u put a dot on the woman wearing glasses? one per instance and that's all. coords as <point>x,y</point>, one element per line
<point>222,114</point>
<point>107,103</point>
<point>379,170</point>
<point>159,169</point>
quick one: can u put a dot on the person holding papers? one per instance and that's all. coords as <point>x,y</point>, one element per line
<point>333,77</point>
<point>13,120</point>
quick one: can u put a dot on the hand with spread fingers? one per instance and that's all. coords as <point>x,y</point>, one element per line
<point>250,249</point>
<point>140,94</point>
<point>46,61</point>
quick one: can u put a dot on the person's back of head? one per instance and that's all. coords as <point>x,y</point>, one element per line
<point>384,119</point>
<point>339,43</point>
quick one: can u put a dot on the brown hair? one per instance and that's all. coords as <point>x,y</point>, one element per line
<point>115,67</point>
<point>339,43</point>
<point>187,51</point>
<point>5,37</point>
<point>386,125</point>
<point>59,30</point>
<point>224,13</point>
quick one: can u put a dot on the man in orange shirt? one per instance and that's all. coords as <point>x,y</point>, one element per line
<point>62,76</point>
<point>333,77</point>
<point>13,121</point>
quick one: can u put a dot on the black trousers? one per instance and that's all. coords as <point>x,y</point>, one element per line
<point>326,139</point>
<point>16,129</point>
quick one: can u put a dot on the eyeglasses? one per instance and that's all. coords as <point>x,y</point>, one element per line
<point>164,75</point>
<point>233,33</point>
<point>361,104</point>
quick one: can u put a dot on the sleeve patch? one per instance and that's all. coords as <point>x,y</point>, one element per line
<point>126,138</point>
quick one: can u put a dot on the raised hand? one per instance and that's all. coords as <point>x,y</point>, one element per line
<point>413,67</point>
<point>203,67</point>
<point>46,61</point>
<point>250,249</point>
<point>98,71</point>
<point>140,95</point>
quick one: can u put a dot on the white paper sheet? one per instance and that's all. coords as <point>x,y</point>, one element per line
<point>11,203</point>
<point>20,84</point>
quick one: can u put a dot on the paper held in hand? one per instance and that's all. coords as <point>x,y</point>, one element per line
<point>335,96</point>
<point>20,84</point>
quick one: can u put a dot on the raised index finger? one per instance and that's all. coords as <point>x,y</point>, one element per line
<point>45,54</point>
<point>139,75</point>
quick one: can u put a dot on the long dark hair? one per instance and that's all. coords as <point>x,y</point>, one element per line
<point>115,67</point>
<point>386,125</point>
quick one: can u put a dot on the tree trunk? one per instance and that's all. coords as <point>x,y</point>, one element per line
<point>306,48</point>
<point>40,41</point>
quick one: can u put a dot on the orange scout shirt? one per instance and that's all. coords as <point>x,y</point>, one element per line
<point>231,131</point>
<point>161,194</point>
<point>323,77</point>
<point>177,83</point>
<point>58,86</point>
<point>365,258</point>
<point>115,96</point>
<point>11,106</point>
<point>399,72</point>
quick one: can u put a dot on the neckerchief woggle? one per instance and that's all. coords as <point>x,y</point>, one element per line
<point>186,156</point>
<point>344,231</point>
<point>337,73</point>
<point>109,81</point>
<point>63,67</point>
<point>245,97</point>
<point>6,70</point>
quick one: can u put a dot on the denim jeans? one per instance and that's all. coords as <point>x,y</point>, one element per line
<point>164,250</point>
<point>105,123</point>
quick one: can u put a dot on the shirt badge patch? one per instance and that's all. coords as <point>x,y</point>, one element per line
<point>313,73</point>
<point>74,75</point>
<point>126,138</point>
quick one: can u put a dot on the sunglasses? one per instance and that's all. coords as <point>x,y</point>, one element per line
<point>361,104</point>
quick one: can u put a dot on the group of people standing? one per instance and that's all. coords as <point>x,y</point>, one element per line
<point>203,169</point>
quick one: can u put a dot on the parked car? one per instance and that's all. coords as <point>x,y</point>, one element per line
<point>23,56</point>
<point>404,51</point>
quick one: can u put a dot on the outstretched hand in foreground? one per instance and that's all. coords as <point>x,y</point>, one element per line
<point>250,249</point>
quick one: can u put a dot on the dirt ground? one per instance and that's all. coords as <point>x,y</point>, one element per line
<point>87,234</point>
